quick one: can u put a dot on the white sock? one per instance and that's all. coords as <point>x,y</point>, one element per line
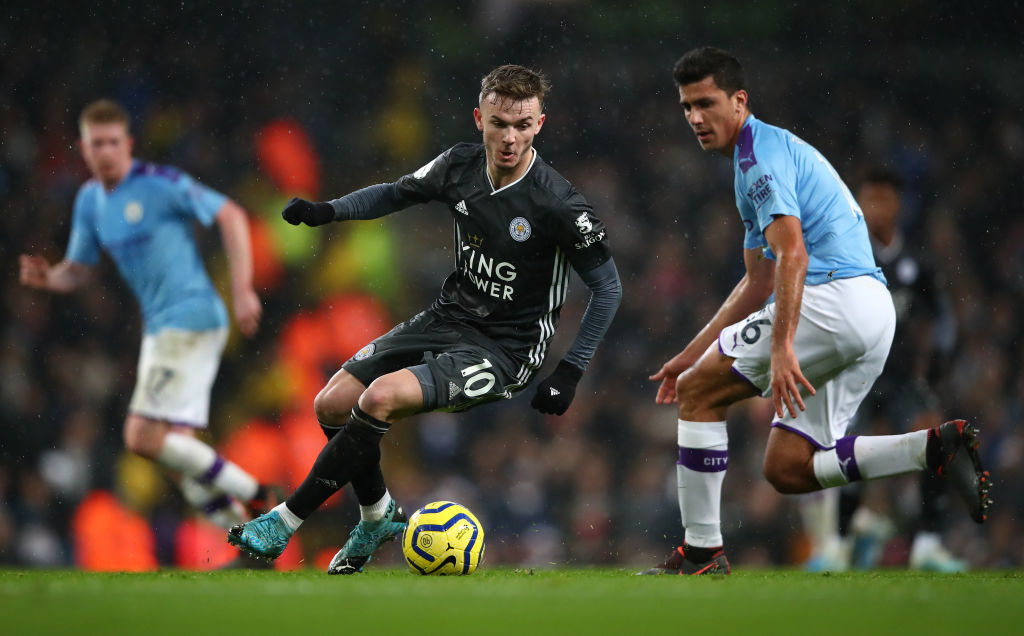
<point>870,457</point>
<point>287,516</point>
<point>376,511</point>
<point>222,510</point>
<point>194,458</point>
<point>681,494</point>
<point>703,459</point>
<point>820,514</point>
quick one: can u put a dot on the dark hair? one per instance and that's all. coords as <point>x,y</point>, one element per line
<point>706,61</point>
<point>515,82</point>
<point>104,111</point>
<point>880,175</point>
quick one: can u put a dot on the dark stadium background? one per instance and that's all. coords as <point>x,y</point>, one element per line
<point>320,98</point>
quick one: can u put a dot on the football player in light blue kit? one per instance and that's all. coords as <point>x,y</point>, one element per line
<point>143,215</point>
<point>815,348</point>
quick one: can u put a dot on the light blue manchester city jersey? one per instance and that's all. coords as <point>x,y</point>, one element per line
<point>146,224</point>
<point>777,173</point>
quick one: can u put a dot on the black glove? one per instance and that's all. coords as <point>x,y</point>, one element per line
<point>312,213</point>
<point>555,392</point>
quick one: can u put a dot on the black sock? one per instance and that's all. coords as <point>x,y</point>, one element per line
<point>330,431</point>
<point>354,450</point>
<point>369,485</point>
<point>699,555</point>
<point>849,501</point>
<point>933,503</point>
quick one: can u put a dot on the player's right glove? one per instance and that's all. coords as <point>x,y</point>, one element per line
<point>312,213</point>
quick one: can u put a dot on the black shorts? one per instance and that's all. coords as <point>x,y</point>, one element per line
<point>456,368</point>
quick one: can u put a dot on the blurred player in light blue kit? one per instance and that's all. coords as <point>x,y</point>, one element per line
<point>142,215</point>
<point>815,348</point>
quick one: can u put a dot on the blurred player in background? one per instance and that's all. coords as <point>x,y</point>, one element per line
<point>142,215</point>
<point>519,229</point>
<point>902,395</point>
<point>815,348</point>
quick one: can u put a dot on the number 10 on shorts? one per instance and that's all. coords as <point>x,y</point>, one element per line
<point>479,381</point>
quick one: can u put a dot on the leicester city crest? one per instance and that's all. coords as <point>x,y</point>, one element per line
<point>520,229</point>
<point>365,352</point>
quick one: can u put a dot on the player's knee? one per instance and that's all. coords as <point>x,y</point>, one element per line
<point>691,396</point>
<point>789,477</point>
<point>140,441</point>
<point>380,400</point>
<point>330,407</point>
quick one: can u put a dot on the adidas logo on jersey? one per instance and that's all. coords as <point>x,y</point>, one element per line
<point>461,207</point>
<point>555,392</point>
<point>453,389</point>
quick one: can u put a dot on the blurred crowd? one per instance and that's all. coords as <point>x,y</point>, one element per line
<point>267,103</point>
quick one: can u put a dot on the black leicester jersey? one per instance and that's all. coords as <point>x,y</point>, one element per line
<point>513,246</point>
<point>922,312</point>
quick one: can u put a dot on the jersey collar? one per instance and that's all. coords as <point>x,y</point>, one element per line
<point>528,169</point>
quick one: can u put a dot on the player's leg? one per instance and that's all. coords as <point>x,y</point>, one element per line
<point>705,392</point>
<point>333,408</point>
<point>352,452</point>
<point>177,449</point>
<point>171,399</point>
<point>842,348</point>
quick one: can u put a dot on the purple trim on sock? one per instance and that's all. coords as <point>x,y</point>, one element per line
<point>847,460</point>
<point>212,472</point>
<point>801,434</point>
<point>214,505</point>
<point>703,461</point>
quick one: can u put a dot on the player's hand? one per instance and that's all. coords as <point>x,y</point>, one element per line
<point>787,378</point>
<point>248,311</point>
<point>33,271</point>
<point>555,392</point>
<point>668,374</point>
<point>312,213</point>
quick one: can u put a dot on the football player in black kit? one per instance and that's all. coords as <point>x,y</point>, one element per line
<point>519,229</point>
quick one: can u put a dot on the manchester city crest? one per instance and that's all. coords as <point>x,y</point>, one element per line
<point>133,212</point>
<point>520,229</point>
<point>365,352</point>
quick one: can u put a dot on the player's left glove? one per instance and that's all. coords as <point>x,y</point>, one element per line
<point>555,392</point>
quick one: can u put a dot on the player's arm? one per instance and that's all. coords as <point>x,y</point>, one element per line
<point>368,203</point>
<point>747,296</point>
<point>234,231</point>
<point>555,393</point>
<point>785,237</point>
<point>66,276</point>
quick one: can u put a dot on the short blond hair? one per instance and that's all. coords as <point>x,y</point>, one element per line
<point>104,111</point>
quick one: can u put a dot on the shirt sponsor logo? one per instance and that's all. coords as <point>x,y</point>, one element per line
<point>482,271</point>
<point>583,224</point>
<point>520,229</point>
<point>760,190</point>
<point>589,240</point>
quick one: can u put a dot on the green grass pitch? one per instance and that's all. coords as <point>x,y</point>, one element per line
<point>509,601</point>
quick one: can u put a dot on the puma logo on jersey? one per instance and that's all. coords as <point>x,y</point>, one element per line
<point>555,392</point>
<point>461,207</point>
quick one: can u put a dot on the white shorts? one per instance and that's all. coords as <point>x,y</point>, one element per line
<point>176,372</point>
<point>841,341</point>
